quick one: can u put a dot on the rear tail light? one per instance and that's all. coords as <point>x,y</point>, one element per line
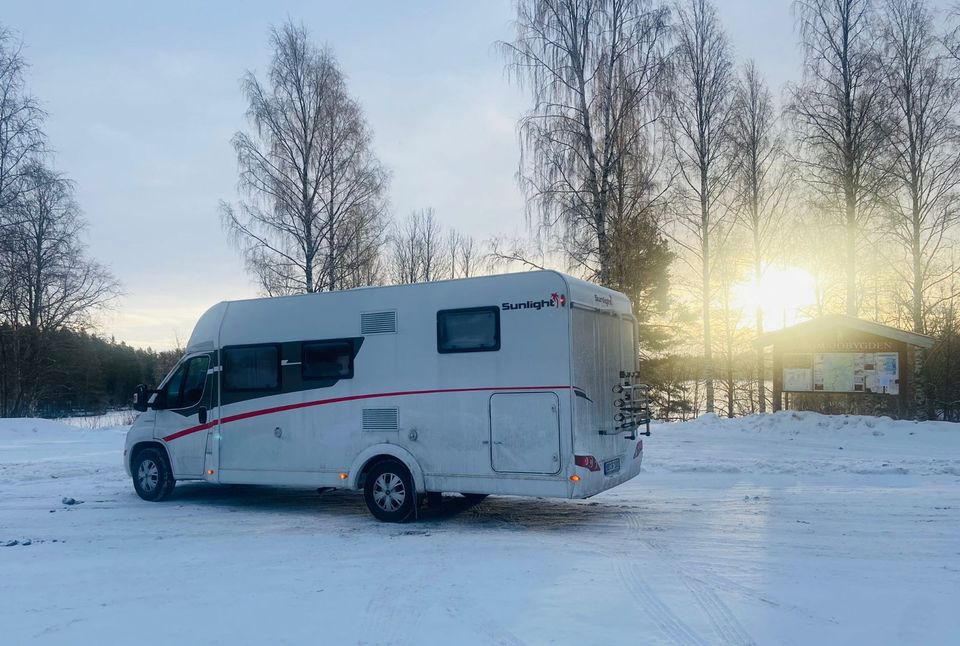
<point>587,462</point>
<point>637,451</point>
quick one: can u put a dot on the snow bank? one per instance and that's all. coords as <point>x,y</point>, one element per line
<point>20,426</point>
<point>112,419</point>
<point>791,442</point>
<point>36,449</point>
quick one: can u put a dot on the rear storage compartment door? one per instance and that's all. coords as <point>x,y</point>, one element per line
<point>525,432</point>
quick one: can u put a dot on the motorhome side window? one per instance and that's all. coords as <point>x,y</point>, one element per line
<point>255,367</point>
<point>185,387</point>
<point>327,360</point>
<point>475,329</point>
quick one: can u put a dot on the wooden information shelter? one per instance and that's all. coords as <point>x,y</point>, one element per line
<point>837,357</point>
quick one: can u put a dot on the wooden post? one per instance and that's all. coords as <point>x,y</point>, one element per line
<point>906,382</point>
<point>777,379</point>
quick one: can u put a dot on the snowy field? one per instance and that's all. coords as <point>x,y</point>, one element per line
<point>787,528</point>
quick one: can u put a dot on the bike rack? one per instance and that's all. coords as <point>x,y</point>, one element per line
<point>633,407</point>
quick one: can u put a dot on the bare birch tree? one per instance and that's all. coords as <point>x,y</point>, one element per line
<point>418,252</point>
<point>464,255</point>
<point>594,68</point>
<point>640,256</point>
<point>312,203</point>
<point>923,142</point>
<point>21,119</point>
<point>951,39</point>
<point>838,114</point>
<point>517,253</point>
<point>727,273</point>
<point>761,183</point>
<point>701,97</point>
<point>53,283</point>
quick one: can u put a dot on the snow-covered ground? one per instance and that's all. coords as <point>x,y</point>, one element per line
<point>787,528</point>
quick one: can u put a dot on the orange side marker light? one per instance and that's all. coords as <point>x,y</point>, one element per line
<point>575,478</point>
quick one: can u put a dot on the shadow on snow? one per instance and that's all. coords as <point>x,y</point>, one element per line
<point>501,512</point>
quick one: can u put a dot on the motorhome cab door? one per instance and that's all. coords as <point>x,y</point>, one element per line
<point>186,401</point>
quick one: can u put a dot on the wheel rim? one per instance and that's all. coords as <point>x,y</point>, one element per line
<point>389,492</point>
<point>148,475</point>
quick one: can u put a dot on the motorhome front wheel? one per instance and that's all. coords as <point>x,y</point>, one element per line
<point>152,476</point>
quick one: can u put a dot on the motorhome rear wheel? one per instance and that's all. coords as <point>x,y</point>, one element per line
<point>389,492</point>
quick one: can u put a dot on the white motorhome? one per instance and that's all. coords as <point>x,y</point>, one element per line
<point>518,384</point>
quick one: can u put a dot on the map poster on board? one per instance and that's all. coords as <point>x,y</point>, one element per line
<point>798,379</point>
<point>837,372</point>
<point>842,372</point>
<point>798,372</point>
<point>888,373</point>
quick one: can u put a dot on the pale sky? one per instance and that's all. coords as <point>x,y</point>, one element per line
<point>143,99</point>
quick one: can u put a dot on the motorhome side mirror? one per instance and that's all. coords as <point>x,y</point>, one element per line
<point>140,396</point>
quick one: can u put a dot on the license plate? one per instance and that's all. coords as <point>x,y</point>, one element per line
<point>611,466</point>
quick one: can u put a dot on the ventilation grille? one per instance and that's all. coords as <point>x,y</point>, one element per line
<point>378,322</point>
<point>381,419</point>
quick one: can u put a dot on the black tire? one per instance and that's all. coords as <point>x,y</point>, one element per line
<point>475,497</point>
<point>389,493</point>
<point>152,476</point>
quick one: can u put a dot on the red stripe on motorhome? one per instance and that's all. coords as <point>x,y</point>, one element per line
<point>338,400</point>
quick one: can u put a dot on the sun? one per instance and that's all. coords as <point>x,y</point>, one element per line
<point>783,294</point>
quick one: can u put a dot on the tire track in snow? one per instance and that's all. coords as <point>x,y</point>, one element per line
<point>723,621</point>
<point>728,584</point>
<point>494,631</point>
<point>393,612</point>
<point>500,635</point>
<point>673,628</point>
<point>702,577</point>
<point>726,625</point>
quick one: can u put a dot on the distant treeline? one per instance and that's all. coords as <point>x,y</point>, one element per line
<point>77,373</point>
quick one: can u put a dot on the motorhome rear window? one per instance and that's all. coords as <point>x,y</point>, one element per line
<point>475,329</point>
<point>327,360</point>
<point>255,367</point>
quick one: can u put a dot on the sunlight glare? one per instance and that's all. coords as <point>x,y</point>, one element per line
<point>783,294</point>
